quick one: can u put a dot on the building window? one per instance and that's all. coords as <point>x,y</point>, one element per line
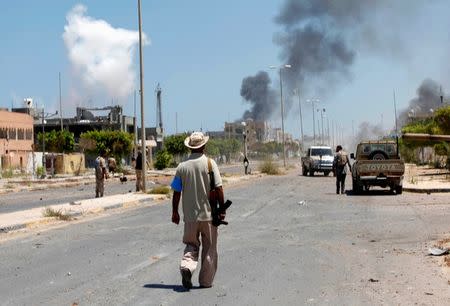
<point>3,133</point>
<point>29,134</point>
<point>20,134</point>
<point>12,134</point>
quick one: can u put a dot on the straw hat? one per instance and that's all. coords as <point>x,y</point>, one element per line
<point>196,140</point>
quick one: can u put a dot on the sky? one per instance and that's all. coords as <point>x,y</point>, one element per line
<point>200,52</point>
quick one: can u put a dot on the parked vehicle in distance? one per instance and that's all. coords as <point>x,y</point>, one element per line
<point>317,159</point>
<point>377,163</point>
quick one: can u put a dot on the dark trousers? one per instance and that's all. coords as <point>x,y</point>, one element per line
<point>340,182</point>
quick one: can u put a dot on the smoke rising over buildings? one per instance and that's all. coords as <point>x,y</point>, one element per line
<point>257,92</point>
<point>320,39</point>
<point>101,56</point>
<point>427,100</point>
<point>367,131</point>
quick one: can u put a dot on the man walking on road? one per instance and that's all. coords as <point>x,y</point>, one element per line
<point>138,169</point>
<point>339,165</point>
<point>100,175</point>
<point>192,184</point>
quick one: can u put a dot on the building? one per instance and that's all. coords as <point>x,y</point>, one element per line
<point>16,139</point>
<point>85,121</point>
<point>256,131</point>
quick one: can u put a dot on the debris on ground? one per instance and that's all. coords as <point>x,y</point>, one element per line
<point>373,280</point>
<point>435,251</point>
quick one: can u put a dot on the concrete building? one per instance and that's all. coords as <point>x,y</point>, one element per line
<point>85,121</point>
<point>16,139</point>
<point>256,131</point>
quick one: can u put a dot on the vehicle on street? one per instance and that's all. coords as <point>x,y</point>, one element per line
<point>317,159</point>
<point>377,163</point>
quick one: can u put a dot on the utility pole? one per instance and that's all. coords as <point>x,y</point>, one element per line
<point>395,113</point>
<point>60,103</point>
<point>43,142</point>
<point>282,121</point>
<point>135,126</point>
<point>141,74</point>
<point>301,117</point>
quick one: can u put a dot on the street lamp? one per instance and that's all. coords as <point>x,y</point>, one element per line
<point>141,91</point>
<point>322,136</point>
<point>280,68</point>
<point>313,102</point>
<point>297,92</point>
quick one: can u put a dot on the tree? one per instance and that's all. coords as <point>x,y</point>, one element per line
<point>163,159</point>
<point>212,147</point>
<point>57,141</point>
<point>116,143</point>
<point>174,144</point>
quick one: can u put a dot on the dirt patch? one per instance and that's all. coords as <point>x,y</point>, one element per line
<point>447,261</point>
<point>444,242</point>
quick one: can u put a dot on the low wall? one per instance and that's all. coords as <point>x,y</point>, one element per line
<point>70,163</point>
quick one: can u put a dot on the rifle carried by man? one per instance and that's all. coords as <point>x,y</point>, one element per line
<point>217,209</point>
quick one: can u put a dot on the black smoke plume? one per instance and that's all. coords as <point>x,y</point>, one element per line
<point>318,39</point>
<point>256,91</point>
<point>428,99</point>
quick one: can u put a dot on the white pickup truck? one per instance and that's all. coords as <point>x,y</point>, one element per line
<point>318,159</point>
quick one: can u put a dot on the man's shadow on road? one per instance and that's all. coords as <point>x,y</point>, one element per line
<point>376,192</point>
<point>176,288</point>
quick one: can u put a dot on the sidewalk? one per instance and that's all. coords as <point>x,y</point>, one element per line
<point>35,216</point>
<point>423,179</point>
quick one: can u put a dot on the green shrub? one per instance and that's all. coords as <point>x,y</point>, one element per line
<point>269,167</point>
<point>40,171</point>
<point>163,160</point>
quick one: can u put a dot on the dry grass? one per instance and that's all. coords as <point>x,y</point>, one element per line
<point>58,214</point>
<point>269,167</point>
<point>159,190</point>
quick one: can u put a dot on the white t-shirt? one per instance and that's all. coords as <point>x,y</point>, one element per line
<point>192,179</point>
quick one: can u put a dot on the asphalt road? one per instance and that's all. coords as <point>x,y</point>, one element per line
<point>22,200</point>
<point>291,241</point>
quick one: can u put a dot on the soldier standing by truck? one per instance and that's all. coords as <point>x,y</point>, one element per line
<point>339,166</point>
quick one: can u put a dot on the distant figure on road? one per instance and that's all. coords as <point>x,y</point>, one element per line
<point>112,165</point>
<point>339,166</point>
<point>138,169</point>
<point>100,176</point>
<point>192,184</point>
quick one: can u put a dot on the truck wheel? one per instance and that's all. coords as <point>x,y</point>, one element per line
<point>326,173</point>
<point>311,172</point>
<point>378,155</point>
<point>398,189</point>
<point>356,188</point>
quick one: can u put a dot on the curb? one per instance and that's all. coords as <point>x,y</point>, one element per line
<point>27,224</point>
<point>428,190</point>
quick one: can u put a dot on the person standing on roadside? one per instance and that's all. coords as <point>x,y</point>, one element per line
<point>138,169</point>
<point>100,175</point>
<point>340,163</point>
<point>192,184</point>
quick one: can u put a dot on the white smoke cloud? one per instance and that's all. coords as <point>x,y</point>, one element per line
<point>101,55</point>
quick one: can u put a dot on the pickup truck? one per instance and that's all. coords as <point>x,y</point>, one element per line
<point>317,159</point>
<point>377,163</point>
